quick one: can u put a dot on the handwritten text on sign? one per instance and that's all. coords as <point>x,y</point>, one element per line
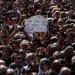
<point>36,23</point>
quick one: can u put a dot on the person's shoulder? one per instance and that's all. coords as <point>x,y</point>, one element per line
<point>12,65</point>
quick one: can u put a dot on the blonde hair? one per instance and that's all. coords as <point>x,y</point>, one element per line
<point>25,42</point>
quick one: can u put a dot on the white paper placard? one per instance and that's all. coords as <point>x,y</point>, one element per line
<point>36,24</point>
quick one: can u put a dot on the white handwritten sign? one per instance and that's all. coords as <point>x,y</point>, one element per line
<point>36,24</point>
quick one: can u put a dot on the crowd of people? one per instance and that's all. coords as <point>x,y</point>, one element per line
<point>41,53</point>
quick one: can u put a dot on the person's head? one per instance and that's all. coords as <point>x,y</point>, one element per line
<point>29,50</point>
<point>19,61</point>
<point>3,48</point>
<point>56,65</point>
<point>34,66</point>
<point>71,12</point>
<point>36,35</point>
<point>46,42</point>
<point>69,52</point>
<point>15,44</point>
<point>57,55</point>
<point>51,48</point>
<point>30,57</point>
<point>3,37</point>
<point>44,64</point>
<point>57,14</point>
<point>19,35</point>
<point>28,71</point>
<point>40,53</point>
<point>13,20</point>
<point>24,44</point>
<point>2,4</point>
<point>22,53</point>
<point>49,13</point>
<point>10,71</point>
<point>13,57</point>
<point>3,69</point>
<point>66,43</point>
<point>50,24</point>
<point>53,39</point>
<point>8,53</point>
<point>55,21</point>
<point>34,73</point>
<point>71,36</point>
<point>2,62</point>
<point>65,71</point>
<point>63,14</point>
<point>36,42</point>
<point>61,36</point>
<point>69,30</point>
<point>51,72</point>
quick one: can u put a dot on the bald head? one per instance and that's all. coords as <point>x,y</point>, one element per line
<point>3,69</point>
<point>56,65</point>
<point>33,73</point>
<point>2,62</point>
<point>56,61</point>
<point>65,71</point>
<point>10,71</point>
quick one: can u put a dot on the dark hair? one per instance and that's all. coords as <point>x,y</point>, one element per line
<point>68,47</point>
<point>37,40</point>
<point>16,41</point>
<point>40,49</point>
<point>51,72</point>
<point>28,70</point>
<point>52,58</point>
<point>46,61</point>
<point>62,34</point>
<point>67,41</point>
<point>34,61</point>
<point>37,33</point>
<point>20,57</point>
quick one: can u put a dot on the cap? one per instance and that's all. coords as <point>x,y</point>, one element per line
<point>53,38</point>
<point>57,11</point>
<point>13,18</point>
